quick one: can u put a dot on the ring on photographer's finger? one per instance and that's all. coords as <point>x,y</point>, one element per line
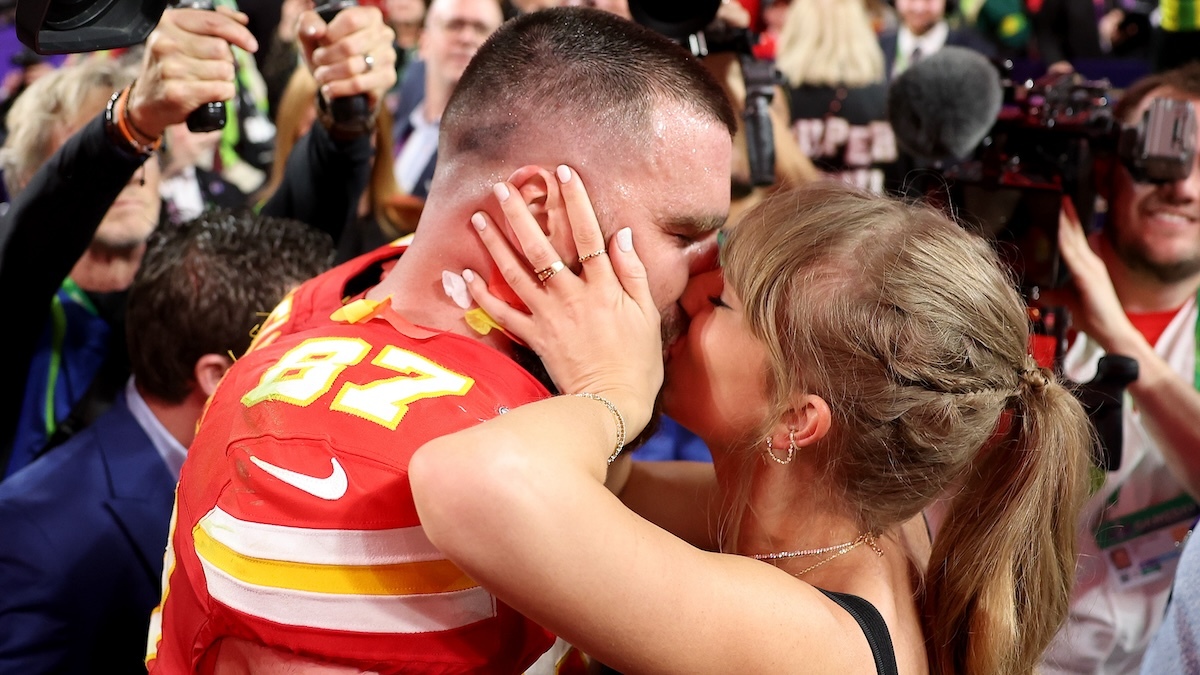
<point>555,267</point>
<point>369,61</point>
<point>593,254</point>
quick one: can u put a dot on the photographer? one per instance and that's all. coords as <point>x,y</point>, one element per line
<point>53,252</point>
<point>1134,293</point>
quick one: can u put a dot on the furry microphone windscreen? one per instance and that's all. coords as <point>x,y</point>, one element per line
<point>944,105</point>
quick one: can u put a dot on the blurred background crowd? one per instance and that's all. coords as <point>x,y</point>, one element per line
<point>212,193</point>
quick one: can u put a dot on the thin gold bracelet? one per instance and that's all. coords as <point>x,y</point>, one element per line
<point>617,416</point>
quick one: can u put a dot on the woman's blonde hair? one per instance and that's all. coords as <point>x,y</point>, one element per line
<point>55,103</point>
<point>829,43</point>
<point>913,333</point>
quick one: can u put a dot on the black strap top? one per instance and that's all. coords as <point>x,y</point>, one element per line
<point>871,622</point>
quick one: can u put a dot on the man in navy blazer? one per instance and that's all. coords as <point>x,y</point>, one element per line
<point>83,528</point>
<point>454,31</point>
<point>923,30</point>
<point>83,532</point>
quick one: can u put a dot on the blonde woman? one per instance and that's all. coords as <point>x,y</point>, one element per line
<point>859,359</point>
<point>829,56</point>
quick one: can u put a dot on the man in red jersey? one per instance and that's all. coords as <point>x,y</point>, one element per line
<point>295,545</point>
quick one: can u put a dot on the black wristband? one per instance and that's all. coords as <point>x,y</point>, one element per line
<point>119,138</point>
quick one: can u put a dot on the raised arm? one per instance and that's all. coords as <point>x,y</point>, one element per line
<point>51,221</point>
<point>329,167</point>
<point>1169,404</point>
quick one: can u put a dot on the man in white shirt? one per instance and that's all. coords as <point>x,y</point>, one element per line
<point>1133,293</point>
<point>923,30</point>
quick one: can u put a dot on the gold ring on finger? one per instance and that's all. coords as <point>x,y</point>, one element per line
<point>555,267</point>
<point>593,254</point>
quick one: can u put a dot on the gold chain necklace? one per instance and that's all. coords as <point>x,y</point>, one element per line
<point>838,550</point>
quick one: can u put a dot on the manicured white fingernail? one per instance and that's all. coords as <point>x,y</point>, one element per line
<point>564,173</point>
<point>501,191</point>
<point>625,239</point>
<point>456,289</point>
<point>469,276</point>
<point>478,221</point>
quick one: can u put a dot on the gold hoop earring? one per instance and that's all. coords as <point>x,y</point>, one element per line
<point>791,450</point>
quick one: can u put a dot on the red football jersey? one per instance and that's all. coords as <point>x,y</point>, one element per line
<point>294,522</point>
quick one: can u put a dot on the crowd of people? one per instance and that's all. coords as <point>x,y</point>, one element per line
<point>523,368</point>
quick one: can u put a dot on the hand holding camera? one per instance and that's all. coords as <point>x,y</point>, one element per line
<point>187,64</point>
<point>350,51</point>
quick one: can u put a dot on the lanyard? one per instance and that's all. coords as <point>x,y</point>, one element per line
<point>58,334</point>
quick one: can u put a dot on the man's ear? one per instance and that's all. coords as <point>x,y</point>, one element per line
<point>209,370</point>
<point>539,189</point>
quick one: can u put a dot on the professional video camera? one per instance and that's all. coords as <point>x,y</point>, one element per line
<point>1005,156</point>
<point>1002,154</point>
<point>695,26</point>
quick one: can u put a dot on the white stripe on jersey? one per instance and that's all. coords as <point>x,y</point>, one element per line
<point>319,547</point>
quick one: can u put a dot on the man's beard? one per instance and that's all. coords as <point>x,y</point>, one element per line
<point>673,326</point>
<point>1135,257</point>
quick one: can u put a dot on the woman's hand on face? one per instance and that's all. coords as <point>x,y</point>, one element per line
<point>596,330</point>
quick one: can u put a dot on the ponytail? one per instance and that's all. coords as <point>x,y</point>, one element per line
<point>999,579</point>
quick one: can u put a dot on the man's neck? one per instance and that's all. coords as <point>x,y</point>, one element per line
<point>414,286</point>
<point>179,419</point>
<point>1140,292</point>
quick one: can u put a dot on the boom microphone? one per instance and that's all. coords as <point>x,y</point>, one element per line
<point>945,104</point>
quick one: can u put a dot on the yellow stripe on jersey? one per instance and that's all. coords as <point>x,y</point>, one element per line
<point>439,576</point>
<point>395,614</point>
<point>370,581</point>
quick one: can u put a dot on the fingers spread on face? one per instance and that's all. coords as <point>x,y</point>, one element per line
<point>538,251</point>
<point>585,229</point>
<point>509,263</point>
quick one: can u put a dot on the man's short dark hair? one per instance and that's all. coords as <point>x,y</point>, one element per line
<point>1185,79</point>
<point>573,63</point>
<point>203,286</point>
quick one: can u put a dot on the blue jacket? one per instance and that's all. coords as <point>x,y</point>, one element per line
<point>412,94</point>
<point>82,535</point>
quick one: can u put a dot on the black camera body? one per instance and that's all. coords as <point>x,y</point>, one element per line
<point>73,26</point>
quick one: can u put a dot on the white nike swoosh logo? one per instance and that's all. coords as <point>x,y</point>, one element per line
<point>330,488</point>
